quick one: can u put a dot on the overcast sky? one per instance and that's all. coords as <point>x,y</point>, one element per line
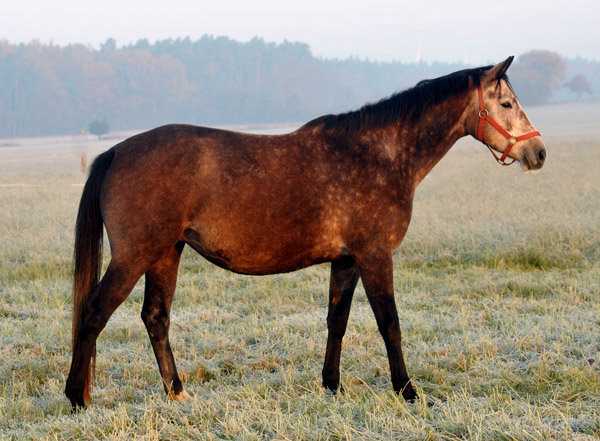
<point>475,31</point>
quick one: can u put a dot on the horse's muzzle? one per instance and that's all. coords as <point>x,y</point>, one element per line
<point>533,156</point>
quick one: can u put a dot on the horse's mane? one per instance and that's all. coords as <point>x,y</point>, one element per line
<point>408,103</point>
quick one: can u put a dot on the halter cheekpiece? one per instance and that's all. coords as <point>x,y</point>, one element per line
<point>484,116</point>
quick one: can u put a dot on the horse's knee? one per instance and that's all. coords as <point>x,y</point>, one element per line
<point>336,327</point>
<point>391,333</point>
<point>156,321</point>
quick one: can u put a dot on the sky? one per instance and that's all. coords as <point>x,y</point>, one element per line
<point>475,32</point>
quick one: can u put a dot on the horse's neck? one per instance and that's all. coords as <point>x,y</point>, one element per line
<point>422,144</point>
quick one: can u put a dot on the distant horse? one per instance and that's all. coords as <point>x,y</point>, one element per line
<point>339,189</point>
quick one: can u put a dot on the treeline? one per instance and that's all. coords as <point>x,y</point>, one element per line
<point>48,89</point>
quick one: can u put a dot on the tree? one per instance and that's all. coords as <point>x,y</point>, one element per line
<point>536,74</point>
<point>579,85</point>
<point>98,127</point>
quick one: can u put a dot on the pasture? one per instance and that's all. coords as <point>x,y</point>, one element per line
<point>497,285</point>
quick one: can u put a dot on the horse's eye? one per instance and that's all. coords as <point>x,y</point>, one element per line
<point>507,105</point>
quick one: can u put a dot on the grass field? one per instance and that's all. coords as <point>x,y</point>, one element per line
<point>497,284</point>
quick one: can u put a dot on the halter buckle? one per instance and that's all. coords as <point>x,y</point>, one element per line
<point>483,113</point>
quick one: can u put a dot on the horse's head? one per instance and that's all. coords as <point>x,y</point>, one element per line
<point>501,122</point>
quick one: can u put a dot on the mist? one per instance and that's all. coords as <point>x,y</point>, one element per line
<point>380,30</point>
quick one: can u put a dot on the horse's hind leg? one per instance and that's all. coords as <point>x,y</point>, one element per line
<point>115,286</point>
<point>161,279</point>
<point>344,278</point>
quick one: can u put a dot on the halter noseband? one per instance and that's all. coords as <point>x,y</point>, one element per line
<point>512,140</point>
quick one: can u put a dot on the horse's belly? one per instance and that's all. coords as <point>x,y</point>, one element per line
<point>268,254</point>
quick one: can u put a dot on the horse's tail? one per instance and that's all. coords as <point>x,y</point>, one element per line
<point>88,250</point>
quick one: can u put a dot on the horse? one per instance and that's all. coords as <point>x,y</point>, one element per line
<point>339,190</point>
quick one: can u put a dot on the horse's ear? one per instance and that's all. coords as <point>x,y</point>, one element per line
<point>496,72</point>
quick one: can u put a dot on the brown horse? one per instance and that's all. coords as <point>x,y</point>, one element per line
<point>339,190</point>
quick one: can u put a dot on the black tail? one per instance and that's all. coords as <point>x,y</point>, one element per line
<point>88,249</point>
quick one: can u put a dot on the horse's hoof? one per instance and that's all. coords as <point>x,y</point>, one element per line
<point>77,399</point>
<point>333,386</point>
<point>409,394</point>
<point>412,399</point>
<point>181,396</point>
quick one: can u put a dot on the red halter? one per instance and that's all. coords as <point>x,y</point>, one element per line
<point>512,140</point>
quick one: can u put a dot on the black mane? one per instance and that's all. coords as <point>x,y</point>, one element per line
<point>408,103</point>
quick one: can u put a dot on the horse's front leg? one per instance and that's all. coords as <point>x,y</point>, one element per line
<point>344,278</point>
<point>376,272</point>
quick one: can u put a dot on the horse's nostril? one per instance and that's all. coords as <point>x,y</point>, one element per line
<point>542,155</point>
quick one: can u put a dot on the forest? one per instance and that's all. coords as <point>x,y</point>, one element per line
<point>47,89</point>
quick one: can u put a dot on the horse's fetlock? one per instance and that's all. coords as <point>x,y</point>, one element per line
<point>331,383</point>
